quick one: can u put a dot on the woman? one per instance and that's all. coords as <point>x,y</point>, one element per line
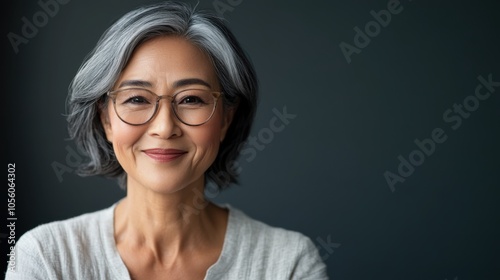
<point>163,104</point>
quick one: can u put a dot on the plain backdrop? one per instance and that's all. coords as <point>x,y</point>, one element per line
<point>323,173</point>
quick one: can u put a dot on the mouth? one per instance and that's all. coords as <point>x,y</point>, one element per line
<point>164,155</point>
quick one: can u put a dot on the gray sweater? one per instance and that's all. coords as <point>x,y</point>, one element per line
<point>83,248</point>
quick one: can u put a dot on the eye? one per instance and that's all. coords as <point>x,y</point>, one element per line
<point>137,100</point>
<point>191,100</point>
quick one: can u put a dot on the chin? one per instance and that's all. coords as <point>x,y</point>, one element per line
<point>164,184</point>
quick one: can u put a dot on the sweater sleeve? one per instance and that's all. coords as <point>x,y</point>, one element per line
<point>29,261</point>
<point>309,263</point>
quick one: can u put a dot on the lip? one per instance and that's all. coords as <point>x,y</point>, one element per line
<point>164,155</point>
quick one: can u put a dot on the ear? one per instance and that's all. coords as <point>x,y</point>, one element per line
<point>106,124</point>
<point>226,121</point>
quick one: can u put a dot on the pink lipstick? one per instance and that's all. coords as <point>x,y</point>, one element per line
<point>164,155</point>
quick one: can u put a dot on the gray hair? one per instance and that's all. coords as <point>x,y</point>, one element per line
<point>102,67</point>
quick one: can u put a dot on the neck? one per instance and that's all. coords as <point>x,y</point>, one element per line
<point>178,221</point>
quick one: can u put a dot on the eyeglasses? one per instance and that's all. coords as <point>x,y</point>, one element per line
<point>137,106</point>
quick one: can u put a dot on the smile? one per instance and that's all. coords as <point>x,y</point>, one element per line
<point>164,155</point>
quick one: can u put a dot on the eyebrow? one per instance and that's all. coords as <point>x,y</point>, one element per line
<point>135,83</point>
<point>191,81</point>
<point>177,84</point>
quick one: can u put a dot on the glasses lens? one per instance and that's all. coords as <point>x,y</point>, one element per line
<point>194,107</point>
<point>135,106</point>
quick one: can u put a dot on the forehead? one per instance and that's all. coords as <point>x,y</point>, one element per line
<point>166,59</point>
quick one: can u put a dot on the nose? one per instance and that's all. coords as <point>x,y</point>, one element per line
<point>164,123</point>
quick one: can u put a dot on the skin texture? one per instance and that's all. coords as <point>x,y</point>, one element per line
<point>154,235</point>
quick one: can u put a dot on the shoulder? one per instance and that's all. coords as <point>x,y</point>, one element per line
<point>67,231</point>
<point>275,251</point>
<point>263,234</point>
<point>51,249</point>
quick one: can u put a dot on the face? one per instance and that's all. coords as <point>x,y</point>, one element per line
<point>165,155</point>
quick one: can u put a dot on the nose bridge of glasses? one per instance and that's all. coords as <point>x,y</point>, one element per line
<point>170,100</point>
<point>172,110</point>
<point>165,96</point>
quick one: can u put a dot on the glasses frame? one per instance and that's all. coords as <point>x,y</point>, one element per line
<point>113,93</point>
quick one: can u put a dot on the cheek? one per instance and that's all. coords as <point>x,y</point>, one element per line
<point>124,138</point>
<point>207,137</point>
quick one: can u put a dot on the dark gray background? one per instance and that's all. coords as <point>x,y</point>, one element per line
<point>323,174</point>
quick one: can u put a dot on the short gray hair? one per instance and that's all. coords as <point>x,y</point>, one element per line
<point>102,67</point>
